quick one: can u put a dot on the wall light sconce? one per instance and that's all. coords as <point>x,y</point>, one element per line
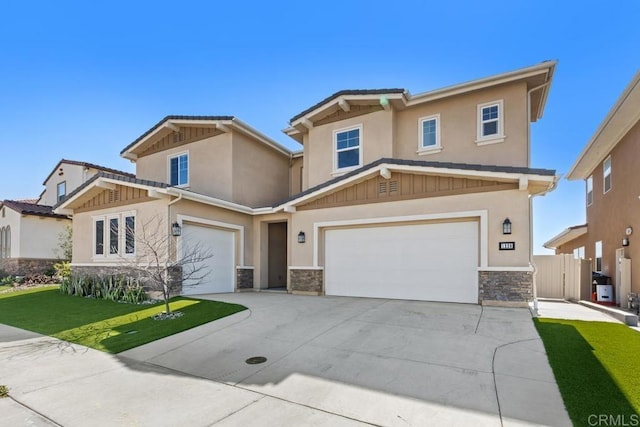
<point>625,241</point>
<point>176,230</point>
<point>302,237</point>
<point>506,226</point>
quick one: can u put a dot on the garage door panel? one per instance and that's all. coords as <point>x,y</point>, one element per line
<point>219,268</point>
<point>435,262</point>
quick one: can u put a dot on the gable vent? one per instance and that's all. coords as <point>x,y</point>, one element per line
<point>393,186</point>
<point>382,188</point>
<point>114,196</point>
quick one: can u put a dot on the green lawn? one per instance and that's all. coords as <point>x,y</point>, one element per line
<point>596,365</point>
<point>5,287</point>
<point>104,325</point>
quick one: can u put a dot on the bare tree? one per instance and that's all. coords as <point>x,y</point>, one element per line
<point>150,253</point>
<point>65,243</point>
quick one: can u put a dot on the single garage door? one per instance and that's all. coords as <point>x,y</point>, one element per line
<point>433,262</point>
<point>220,267</point>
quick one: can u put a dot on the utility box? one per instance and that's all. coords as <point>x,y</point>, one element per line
<point>604,293</point>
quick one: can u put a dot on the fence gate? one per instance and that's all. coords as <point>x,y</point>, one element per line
<point>562,276</point>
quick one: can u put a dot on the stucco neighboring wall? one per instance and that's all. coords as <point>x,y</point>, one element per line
<point>13,220</point>
<point>513,204</point>
<point>40,237</point>
<point>73,175</point>
<point>260,174</point>
<point>295,176</point>
<point>210,166</point>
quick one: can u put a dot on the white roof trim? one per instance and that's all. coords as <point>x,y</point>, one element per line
<point>624,114</point>
<point>566,236</point>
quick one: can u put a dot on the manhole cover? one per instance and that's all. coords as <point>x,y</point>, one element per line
<point>256,360</point>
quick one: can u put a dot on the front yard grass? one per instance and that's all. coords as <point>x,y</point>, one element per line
<point>104,325</point>
<point>597,367</point>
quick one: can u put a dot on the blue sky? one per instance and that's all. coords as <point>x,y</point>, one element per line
<point>81,80</point>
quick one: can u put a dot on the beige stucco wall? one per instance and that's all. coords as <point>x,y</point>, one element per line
<point>74,175</point>
<point>209,166</point>
<point>295,176</point>
<point>83,227</point>
<point>513,204</point>
<point>375,141</point>
<point>260,174</point>
<point>458,127</point>
<point>40,237</point>
<point>13,220</point>
<point>396,133</point>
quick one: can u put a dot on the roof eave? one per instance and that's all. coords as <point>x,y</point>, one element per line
<point>566,236</point>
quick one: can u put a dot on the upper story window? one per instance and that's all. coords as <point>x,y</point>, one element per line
<point>429,134</point>
<point>62,190</point>
<point>578,253</point>
<point>606,174</point>
<point>590,190</point>
<point>179,170</point>
<point>348,150</point>
<point>490,122</point>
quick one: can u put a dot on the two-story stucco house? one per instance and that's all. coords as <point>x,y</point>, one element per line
<point>30,230</point>
<point>393,195</point>
<point>608,166</point>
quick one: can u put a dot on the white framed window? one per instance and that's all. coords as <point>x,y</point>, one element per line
<point>114,235</point>
<point>62,190</point>
<point>347,148</point>
<point>179,170</point>
<point>578,253</point>
<point>590,190</point>
<point>429,134</point>
<point>606,174</point>
<point>598,266</point>
<point>490,122</point>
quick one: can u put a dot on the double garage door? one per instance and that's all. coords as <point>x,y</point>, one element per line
<point>433,262</point>
<point>219,268</point>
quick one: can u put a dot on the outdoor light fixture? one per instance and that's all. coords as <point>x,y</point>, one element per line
<point>301,237</point>
<point>176,230</point>
<point>506,226</point>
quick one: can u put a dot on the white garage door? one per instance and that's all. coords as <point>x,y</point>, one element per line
<point>433,262</point>
<point>219,268</point>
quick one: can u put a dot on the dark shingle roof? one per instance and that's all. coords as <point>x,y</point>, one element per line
<point>347,92</point>
<point>26,208</point>
<point>174,117</point>
<point>442,165</point>
<point>125,179</point>
<point>86,165</point>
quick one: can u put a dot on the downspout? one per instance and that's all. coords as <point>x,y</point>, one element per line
<point>531,263</point>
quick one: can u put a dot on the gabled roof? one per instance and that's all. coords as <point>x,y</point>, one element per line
<point>492,171</point>
<point>222,123</point>
<point>538,78</point>
<point>566,235</point>
<point>86,165</point>
<point>26,208</point>
<point>624,114</point>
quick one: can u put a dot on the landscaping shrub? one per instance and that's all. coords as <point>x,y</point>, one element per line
<point>7,280</point>
<point>62,269</point>
<point>112,288</point>
<point>4,391</point>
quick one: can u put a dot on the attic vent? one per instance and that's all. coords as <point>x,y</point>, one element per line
<point>114,196</point>
<point>382,187</point>
<point>178,137</point>
<point>393,186</point>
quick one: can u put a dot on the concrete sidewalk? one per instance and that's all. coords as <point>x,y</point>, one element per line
<point>331,361</point>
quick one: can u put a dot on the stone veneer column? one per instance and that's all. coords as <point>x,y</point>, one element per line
<point>508,288</point>
<point>306,281</point>
<point>244,278</point>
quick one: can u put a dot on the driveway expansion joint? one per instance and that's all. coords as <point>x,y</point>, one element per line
<point>30,409</point>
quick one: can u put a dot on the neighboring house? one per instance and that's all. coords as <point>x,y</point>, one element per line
<point>609,166</point>
<point>30,230</point>
<point>394,195</point>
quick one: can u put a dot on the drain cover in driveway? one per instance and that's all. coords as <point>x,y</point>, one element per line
<point>256,360</point>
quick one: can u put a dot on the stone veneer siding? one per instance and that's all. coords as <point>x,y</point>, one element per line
<point>306,280</point>
<point>26,266</point>
<point>175,275</point>
<point>506,286</point>
<point>244,278</point>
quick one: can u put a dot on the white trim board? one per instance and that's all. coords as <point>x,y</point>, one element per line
<point>483,216</point>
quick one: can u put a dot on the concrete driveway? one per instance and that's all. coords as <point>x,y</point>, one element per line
<point>330,361</point>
